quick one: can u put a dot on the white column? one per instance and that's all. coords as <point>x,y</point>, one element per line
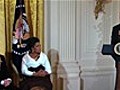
<point>61,36</point>
<point>67,45</point>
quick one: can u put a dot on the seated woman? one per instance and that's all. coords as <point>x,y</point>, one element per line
<point>5,78</point>
<point>35,67</point>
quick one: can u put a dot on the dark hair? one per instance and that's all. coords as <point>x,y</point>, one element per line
<point>32,41</point>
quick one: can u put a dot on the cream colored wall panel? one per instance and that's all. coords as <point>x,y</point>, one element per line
<point>72,30</point>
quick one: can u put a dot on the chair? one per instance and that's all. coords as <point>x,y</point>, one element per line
<point>53,56</point>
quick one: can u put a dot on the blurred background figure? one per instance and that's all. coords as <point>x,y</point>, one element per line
<point>5,77</point>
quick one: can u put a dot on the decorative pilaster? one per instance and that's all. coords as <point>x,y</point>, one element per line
<point>68,66</point>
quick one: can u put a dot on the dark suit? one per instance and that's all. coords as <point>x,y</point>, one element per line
<point>115,37</point>
<point>4,73</point>
<point>114,40</point>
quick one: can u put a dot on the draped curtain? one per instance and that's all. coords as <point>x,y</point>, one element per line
<point>35,16</point>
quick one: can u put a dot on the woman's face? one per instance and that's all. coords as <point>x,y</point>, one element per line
<point>37,48</point>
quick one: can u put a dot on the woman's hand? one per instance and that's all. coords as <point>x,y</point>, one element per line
<point>40,73</point>
<point>7,82</point>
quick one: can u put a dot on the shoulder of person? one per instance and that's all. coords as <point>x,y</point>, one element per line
<point>2,58</point>
<point>116,26</point>
<point>25,57</point>
<point>43,54</point>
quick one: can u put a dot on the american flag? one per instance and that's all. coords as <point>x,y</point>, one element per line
<point>20,34</point>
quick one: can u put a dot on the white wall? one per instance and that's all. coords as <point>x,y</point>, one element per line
<point>71,29</point>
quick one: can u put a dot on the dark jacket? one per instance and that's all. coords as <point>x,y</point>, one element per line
<point>115,37</point>
<point>4,73</point>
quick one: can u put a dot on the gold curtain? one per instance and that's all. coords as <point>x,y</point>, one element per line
<point>35,16</point>
<point>2,28</point>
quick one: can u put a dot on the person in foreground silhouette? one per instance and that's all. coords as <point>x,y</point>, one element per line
<point>5,77</point>
<point>114,40</point>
